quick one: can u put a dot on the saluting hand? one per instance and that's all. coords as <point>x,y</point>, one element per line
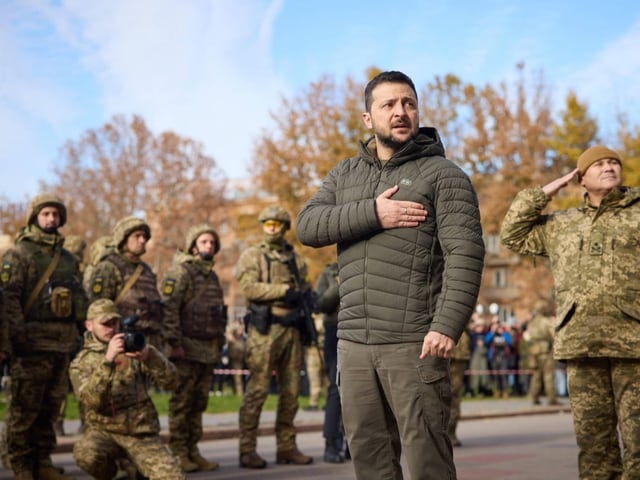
<point>551,188</point>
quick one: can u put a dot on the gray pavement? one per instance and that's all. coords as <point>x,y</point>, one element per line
<point>506,439</point>
<point>225,425</point>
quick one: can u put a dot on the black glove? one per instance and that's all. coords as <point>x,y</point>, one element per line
<point>292,297</point>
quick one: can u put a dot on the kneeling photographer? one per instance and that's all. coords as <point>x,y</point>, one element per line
<point>110,381</point>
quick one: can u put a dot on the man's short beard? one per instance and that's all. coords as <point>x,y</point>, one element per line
<point>207,257</point>
<point>49,230</point>
<point>390,142</point>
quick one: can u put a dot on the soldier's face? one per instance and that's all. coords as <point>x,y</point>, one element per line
<point>104,331</point>
<point>48,218</point>
<point>272,227</point>
<point>206,244</point>
<point>602,176</point>
<point>137,242</point>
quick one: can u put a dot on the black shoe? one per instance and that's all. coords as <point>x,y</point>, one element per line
<point>332,453</point>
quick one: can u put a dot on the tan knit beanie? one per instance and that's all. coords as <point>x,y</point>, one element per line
<point>593,154</point>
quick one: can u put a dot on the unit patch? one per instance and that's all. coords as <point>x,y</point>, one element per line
<point>96,288</point>
<point>169,287</point>
<point>5,275</point>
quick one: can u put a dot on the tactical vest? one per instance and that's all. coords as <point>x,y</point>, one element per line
<point>203,316</point>
<point>62,297</point>
<point>143,298</point>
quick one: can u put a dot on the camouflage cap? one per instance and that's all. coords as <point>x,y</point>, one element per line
<point>197,230</point>
<point>125,227</point>
<point>102,310</point>
<point>42,200</point>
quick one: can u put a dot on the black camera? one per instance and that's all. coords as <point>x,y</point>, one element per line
<point>134,341</point>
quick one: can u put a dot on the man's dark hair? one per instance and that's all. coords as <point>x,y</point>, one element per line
<point>385,77</point>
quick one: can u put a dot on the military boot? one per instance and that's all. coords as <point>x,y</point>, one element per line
<point>294,456</point>
<point>51,473</point>
<point>187,465</point>
<point>252,460</point>
<point>203,463</point>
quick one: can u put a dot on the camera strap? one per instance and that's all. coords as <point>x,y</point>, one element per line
<point>129,283</point>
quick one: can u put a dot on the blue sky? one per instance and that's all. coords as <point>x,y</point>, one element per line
<point>212,70</point>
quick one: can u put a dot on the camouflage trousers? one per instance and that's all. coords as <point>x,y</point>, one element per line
<point>543,372</point>
<point>279,350</point>
<point>236,362</point>
<point>96,453</point>
<point>457,386</point>
<point>188,401</point>
<point>315,374</point>
<point>604,394</point>
<point>39,385</point>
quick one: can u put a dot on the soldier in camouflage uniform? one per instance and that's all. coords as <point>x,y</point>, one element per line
<point>594,252</point>
<point>99,250</point>
<point>268,283</point>
<point>120,416</point>
<point>76,245</point>
<point>43,305</point>
<point>459,361</point>
<point>195,319</point>
<point>538,336</point>
<point>112,278</point>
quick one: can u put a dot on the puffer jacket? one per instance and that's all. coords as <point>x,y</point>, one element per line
<point>398,284</point>
<point>594,254</point>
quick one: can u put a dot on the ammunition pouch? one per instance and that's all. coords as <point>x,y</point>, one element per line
<point>61,302</point>
<point>259,316</point>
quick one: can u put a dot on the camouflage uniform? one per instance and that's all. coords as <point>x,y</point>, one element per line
<point>237,345</point>
<point>265,277</point>
<point>41,339</point>
<point>98,251</point>
<point>111,274</point>
<point>194,321</point>
<point>121,419</point>
<point>459,360</point>
<point>594,254</point>
<point>539,341</point>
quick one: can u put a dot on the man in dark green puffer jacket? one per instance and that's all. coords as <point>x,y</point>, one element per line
<point>410,251</point>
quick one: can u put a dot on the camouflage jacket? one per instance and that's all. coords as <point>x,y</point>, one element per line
<point>539,335</point>
<point>42,328</point>
<point>143,299</point>
<point>194,311</point>
<point>268,286</point>
<point>115,397</point>
<point>594,254</point>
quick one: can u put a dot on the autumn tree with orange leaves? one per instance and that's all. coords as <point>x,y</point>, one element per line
<point>123,169</point>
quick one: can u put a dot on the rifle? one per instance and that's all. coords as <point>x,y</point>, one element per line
<point>307,305</point>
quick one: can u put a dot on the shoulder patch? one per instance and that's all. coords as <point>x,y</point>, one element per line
<point>96,288</point>
<point>5,274</point>
<point>169,287</point>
